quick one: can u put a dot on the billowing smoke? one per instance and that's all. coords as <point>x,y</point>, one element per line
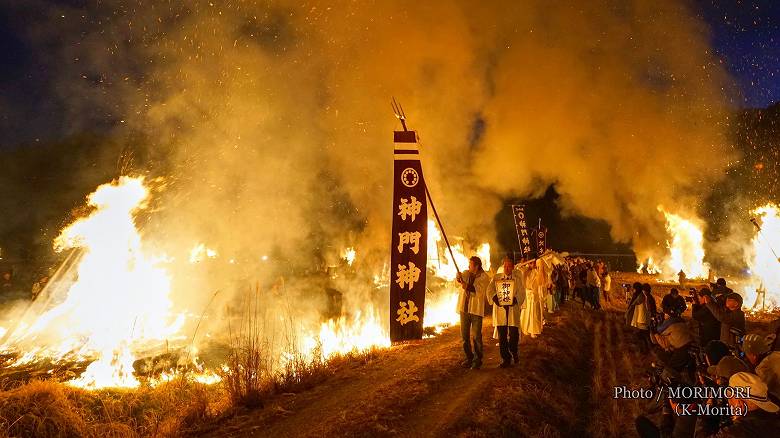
<point>271,120</point>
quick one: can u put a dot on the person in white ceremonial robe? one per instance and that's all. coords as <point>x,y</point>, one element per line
<point>532,313</point>
<point>471,305</point>
<point>545,266</point>
<point>507,294</point>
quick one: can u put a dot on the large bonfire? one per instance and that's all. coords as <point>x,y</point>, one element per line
<point>117,300</point>
<point>762,260</point>
<point>111,301</point>
<point>684,252</point>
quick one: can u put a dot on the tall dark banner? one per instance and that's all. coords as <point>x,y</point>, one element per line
<point>408,249</point>
<point>541,240</point>
<point>523,238</point>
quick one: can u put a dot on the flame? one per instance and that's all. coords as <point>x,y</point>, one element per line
<point>120,298</point>
<point>118,303</point>
<point>761,260</point>
<point>349,255</point>
<point>199,252</point>
<point>361,332</point>
<point>650,267</point>
<point>440,310</point>
<point>686,247</point>
<point>446,268</point>
<point>365,329</point>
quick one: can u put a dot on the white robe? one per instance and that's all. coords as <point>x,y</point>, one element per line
<point>510,315</point>
<point>477,298</point>
<point>532,314</point>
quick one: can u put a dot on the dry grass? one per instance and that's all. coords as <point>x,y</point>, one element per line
<point>250,377</point>
<point>253,373</point>
<point>51,409</point>
<point>248,374</point>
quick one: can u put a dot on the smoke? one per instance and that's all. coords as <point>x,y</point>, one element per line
<point>271,120</point>
<point>620,107</point>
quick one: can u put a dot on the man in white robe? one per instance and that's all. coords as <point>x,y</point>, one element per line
<point>471,306</point>
<point>507,293</point>
<point>532,315</point>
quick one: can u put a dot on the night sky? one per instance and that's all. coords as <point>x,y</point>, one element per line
<point>745,36</point>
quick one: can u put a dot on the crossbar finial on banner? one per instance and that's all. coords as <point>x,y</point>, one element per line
<point>398,110</point>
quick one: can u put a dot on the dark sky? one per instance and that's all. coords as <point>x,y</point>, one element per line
<point>746,36</point>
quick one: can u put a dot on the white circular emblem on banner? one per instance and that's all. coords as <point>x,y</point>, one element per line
<point>409,177</point>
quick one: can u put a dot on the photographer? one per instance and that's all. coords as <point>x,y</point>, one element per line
<point>676,369</point>
<point>761,416</point>
<point>730,315</point>
<point>718,376</point>
<point>709,326</point>
<point>720,290</point>
<point>674,339</point>
<point>673,304</point>
<point>715,351</point>
<point>765,363</point>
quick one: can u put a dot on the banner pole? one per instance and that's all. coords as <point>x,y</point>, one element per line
<point>400,115</point>
<point>517,230</point>
<point>441,227</point>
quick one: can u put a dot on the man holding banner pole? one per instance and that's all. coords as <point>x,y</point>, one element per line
<point>471,306</point>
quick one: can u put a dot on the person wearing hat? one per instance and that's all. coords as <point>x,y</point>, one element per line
<point>759,414</point>
<point>709,326</point>
<point>719,375</point>
<point>765,363</point>
<point>730,315</point>
<point>727,367</point>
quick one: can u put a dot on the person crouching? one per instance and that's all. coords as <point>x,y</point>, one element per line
<point>507,293</point>
<point>471,306</point>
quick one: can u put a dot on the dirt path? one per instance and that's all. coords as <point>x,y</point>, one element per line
<point>365,399</point>
<point>420,389</point>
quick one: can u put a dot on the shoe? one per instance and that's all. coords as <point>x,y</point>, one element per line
<point>476,365</point>
<point>505,364</point>
<point>466,363</point>
<point>515,359</point>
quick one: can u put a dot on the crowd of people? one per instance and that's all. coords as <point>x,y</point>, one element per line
<point>520,295</point>
<point>710,351</point>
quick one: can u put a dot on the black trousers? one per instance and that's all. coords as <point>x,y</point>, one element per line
<point>508,338</point>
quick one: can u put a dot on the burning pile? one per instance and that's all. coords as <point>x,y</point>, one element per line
<point>684,250</point>
<point>111,304</point>
<point>760,286</point>
<point>763,288</point>
<point>118,301</point>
